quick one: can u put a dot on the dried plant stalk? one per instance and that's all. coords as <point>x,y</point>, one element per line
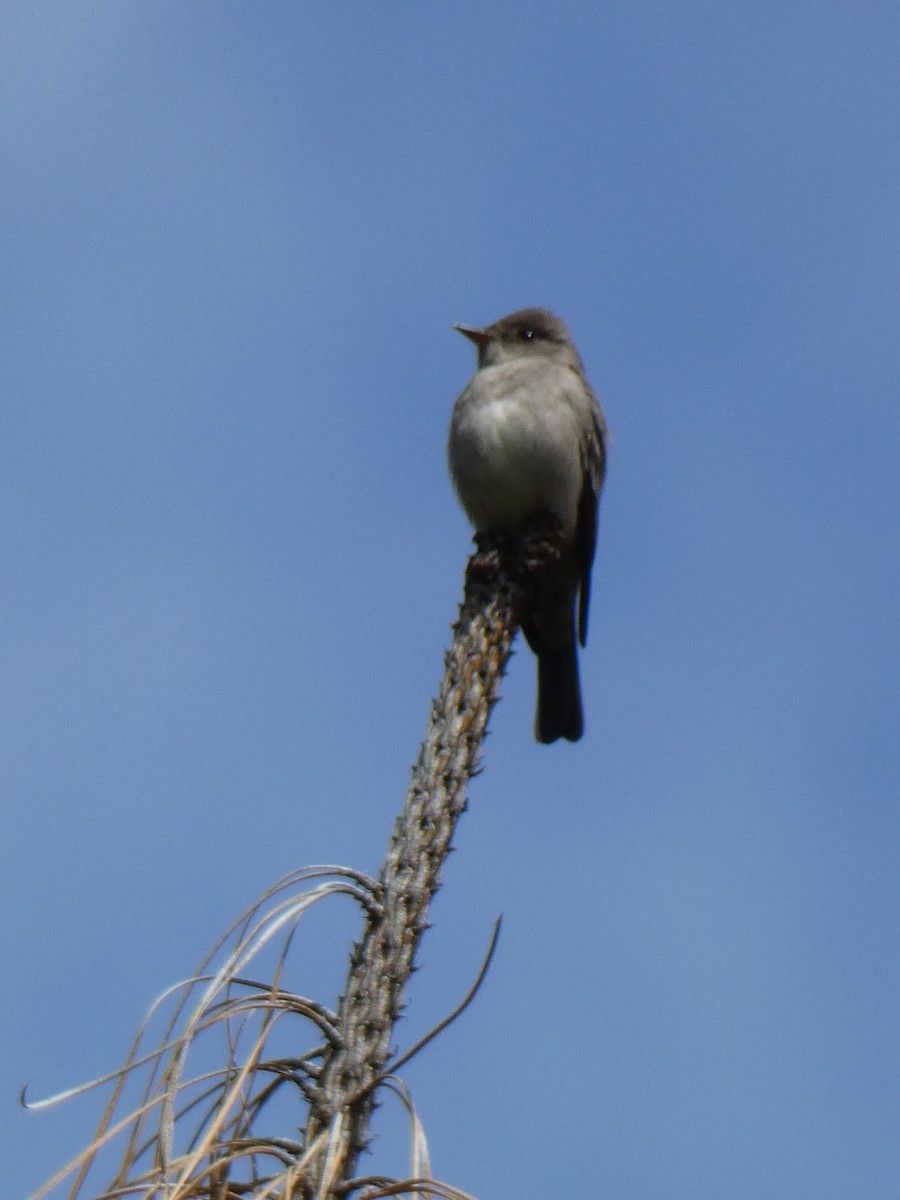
<point>497,581</point>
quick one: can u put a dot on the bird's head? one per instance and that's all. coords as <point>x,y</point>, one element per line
<point>532,333</point>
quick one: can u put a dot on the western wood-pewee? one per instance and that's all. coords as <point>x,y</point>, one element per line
<point>527,437</point>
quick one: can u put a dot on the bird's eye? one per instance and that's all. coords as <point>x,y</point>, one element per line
<point>526,334</point>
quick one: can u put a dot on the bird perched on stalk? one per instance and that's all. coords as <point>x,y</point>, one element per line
<point>528,437</point>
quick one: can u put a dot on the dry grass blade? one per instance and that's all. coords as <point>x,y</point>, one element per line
<point>225,1100</point>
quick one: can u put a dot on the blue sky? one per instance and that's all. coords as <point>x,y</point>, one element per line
<point>234,240</point>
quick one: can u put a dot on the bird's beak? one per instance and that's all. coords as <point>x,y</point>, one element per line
<point>480,337</point>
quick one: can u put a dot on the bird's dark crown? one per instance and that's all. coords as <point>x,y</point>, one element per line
<point>530,324</point>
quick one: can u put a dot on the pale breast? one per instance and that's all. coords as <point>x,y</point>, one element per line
<point>514,448</point>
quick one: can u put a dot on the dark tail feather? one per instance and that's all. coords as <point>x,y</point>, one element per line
<point>559,711</point>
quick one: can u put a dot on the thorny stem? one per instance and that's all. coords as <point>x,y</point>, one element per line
<point>498,579</point>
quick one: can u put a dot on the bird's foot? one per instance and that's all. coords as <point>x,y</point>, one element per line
<point>543,543</point>
<point>486,561</point>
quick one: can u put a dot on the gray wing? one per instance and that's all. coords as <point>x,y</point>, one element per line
<point>593,466</point>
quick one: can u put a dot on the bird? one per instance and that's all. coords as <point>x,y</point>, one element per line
<point>529,437</point>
